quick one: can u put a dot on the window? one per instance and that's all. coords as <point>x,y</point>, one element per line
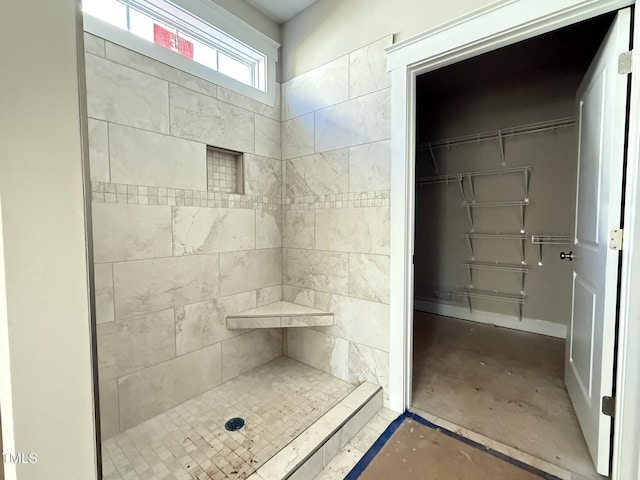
<point>191,35</point>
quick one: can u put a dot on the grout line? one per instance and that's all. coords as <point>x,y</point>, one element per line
<point>194,255</point>
<point>169,109</point>
<point>108,149</point>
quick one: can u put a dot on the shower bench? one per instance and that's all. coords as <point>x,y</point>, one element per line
<point>280,315</point>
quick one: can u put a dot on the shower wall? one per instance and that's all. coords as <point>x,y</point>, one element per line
<point>172,258</point>
<point>335,144</point>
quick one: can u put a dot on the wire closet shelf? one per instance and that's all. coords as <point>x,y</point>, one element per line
<point>497,134</point>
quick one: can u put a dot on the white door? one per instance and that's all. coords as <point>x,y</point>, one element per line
<point>601,104</point>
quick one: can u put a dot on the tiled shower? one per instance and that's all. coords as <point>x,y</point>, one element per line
<point>176,250</point>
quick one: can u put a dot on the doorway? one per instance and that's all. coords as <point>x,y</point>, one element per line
<point>480,32</point>
<point>505,119</point>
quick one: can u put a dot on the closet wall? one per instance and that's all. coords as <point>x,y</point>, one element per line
<point>527,83</point>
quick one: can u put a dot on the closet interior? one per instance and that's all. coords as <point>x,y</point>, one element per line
<point>495,195</point>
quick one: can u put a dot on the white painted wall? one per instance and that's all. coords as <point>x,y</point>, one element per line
<point>46,391</point>
<point>255,18</point>
<point>331,28</point>
<point>252,16</point>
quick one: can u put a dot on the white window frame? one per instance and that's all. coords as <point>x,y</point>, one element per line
<point>219,18</point>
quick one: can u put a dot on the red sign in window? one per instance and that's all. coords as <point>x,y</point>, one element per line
<point>167,39</point>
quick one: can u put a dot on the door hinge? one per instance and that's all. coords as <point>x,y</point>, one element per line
<point>615,239</point>
<point>625,63</point>
<point>609,406</point>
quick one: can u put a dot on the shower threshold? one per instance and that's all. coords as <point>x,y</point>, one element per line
<point>278,401</point>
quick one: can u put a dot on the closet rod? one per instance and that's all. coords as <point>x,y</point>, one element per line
<point>497,134</point>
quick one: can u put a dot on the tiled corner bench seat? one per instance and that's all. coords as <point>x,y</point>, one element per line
<point>280,315</point>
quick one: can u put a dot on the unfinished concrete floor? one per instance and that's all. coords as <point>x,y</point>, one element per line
<point>504,384</point>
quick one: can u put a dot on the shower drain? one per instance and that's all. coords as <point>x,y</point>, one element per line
<point>234,424</point>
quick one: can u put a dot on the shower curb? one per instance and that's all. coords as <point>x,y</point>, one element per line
<point>308,454</point>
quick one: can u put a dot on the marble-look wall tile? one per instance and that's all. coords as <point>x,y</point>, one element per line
<point>318,270</point>
<point>130,232</point>
<point>103,280</point>
<point>359,321</point>
<point>370,167</point>
<point>99,151</point>
<point>358,230</point>
<point>298,136</point>
<point>230,305</point>
<point>192,323</point>
<point>129,345</point>
<point>250,104</point>
<point>268,228</point>
<point>139,157</point>
<point>364,119</point>
<point>244,271</point>
<point>268,137</point>
<point>319,88</point>
<point>320,174</point>
<point>262,176</point>
<point>122,95</point>
<point>368,68</point>
<point>93,44</point>
<point>333,127</point>
<point>300,296</point>
<point>201,324</point>
<point>299,228</point>
<point>146,393</point>
<point>109,417</point>
<point>153,67</point>
<point>211,230</point>
<point>368,365</point>
<point>268,295</point>
<point>204,119</point>
<point>369,277</point>
<point>319,350</point>
<point>145,286</point>
<point>242,353</point>
<point>371,120</point>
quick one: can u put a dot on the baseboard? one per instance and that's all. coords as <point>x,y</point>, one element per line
<point>532,325</point>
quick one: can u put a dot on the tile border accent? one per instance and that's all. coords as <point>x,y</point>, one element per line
<point>104,192</point>
<point>375,198</point>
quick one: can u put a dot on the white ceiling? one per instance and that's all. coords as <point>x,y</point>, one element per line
<point>281,10</point>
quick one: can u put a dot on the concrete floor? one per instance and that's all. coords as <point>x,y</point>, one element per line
<point>504,384</point>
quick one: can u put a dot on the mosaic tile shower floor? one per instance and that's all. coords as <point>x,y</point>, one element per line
<point>189,442</point>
